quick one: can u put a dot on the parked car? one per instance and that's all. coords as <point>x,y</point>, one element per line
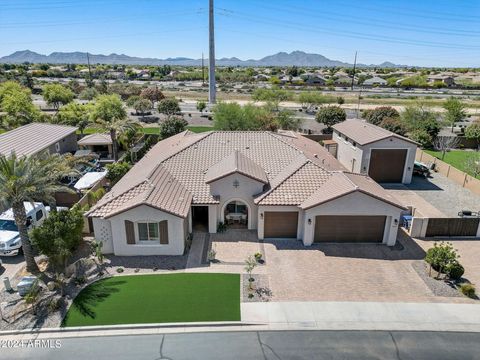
<point>420,169</point>
<point>10,243</point>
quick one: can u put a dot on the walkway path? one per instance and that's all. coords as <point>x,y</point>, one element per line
<point>363,315</point>
<point>196,250</point>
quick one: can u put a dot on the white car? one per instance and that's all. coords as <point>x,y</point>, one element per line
<point>10,243</point>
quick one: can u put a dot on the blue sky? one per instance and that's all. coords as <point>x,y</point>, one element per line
<point>421,32</point>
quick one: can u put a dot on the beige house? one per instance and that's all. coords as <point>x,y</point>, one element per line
<point>282,185</point>
<point>368,149</point>
<point>100,144</point>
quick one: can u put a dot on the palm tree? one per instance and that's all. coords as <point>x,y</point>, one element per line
<point>28,179</point>
<point>109,114</point>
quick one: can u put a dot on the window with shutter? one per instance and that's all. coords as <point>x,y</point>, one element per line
<point>163,229</point>
<point>129,232</point>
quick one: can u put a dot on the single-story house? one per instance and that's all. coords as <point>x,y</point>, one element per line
<point>368,149</point>
<point>100,144</point>
<point>375,81</point>
<point>34,138</point>
<point>282,185</point>
<point>313,79</point>
<point>447,80</point>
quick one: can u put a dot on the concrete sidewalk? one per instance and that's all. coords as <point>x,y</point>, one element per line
<point>363,316</point>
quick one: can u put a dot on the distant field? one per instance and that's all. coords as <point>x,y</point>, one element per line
<point>456,158</point>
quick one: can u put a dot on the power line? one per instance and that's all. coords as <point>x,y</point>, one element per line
<point>343,33</point>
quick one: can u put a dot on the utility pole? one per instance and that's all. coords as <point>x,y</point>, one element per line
<point>354,67</point>
<point>212,96</point>
<point>90,83</point>
<point>203,70</point>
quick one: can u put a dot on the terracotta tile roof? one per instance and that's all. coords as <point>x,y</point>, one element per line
<point>236,162</point>
<point>96,139</point>
<point>30,139</point>
<point>175,172</point>
<point>312,150</point>
<point>297,187</point>
<point>343,183</point>
<point>365,133</point>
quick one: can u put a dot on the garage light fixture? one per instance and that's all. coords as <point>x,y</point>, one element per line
<point>261,216</point>
<point>309,221</point>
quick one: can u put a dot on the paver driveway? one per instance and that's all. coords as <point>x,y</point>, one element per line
<point>347,272</point>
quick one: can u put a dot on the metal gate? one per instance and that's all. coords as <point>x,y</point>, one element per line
<point>452,227</point>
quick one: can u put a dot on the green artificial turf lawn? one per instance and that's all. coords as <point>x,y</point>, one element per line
<point>157,299</point>
<point>456,158</point>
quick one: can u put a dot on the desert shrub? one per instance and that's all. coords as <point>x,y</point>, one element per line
<point>468,290</point>
<point>455,270</point>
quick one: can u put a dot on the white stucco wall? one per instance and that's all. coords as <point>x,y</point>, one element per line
<point>354,204</point>
<point>244,192</point>
<point>103,232</point>
<point>392,143</point>
<point>142,213</point>
<point>357,158</point>
<point>263,209</point>
<point>349,156</point>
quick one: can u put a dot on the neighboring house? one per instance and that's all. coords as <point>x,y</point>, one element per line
<point>375,81</point>
<point>282,185</point>
<point>34,138</point>
<point>100,144</point>
<point>447,80</point>
<point>368,149</point>
<point>313,79</point>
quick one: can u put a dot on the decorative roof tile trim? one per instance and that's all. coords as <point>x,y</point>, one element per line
<point>236,162</point>
<point>282,177</point>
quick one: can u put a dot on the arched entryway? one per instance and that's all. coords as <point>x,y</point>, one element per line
<point>236,214</point>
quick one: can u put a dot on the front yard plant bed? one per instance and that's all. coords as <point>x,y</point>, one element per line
<point>165,298</point>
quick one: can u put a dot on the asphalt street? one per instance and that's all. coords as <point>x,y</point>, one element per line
<point>266,345</point>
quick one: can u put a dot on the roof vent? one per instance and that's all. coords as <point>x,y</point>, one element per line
<point>315,155</point>
<point>247,147</point>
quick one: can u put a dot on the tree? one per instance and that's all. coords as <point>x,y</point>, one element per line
<point>330,115</point>
<point>28,179</point>
<point>232,116</point>
<point>74,114</point>
<point>309,99</point>
<point>58,236</point>
<point>445,143</point>
<point>287,121</point>
<point>201,105</point>
<point>88,94</point>
<point>272,96</point>
<point>394,125</point>
<point>168,107</point>
<point>152,94</point>
<point>473,131</point>
<point>56,95</point>
<point>422,137</point>
<point>172,125</point>
<point>440,256</point>
<point>419,117</point>
<point>141,106</point>
<point>132,100</point>
<point>377,115</point>
<point>455,111</point>
<point>19,108</point>
<point>250,265</point>
<point>116,171</point>
<point>110,115</point>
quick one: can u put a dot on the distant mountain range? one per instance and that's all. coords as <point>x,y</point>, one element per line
<point>298,58</point>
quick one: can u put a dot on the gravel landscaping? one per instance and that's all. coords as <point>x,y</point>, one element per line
<point>445,288</point>
<point>261,290</point>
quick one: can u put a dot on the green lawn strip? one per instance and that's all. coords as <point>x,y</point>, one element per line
<point>157,299</point>
<point>456,158</point>
<point>199,129</point>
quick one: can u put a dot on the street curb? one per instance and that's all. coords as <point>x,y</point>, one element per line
<point>218,324</point>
